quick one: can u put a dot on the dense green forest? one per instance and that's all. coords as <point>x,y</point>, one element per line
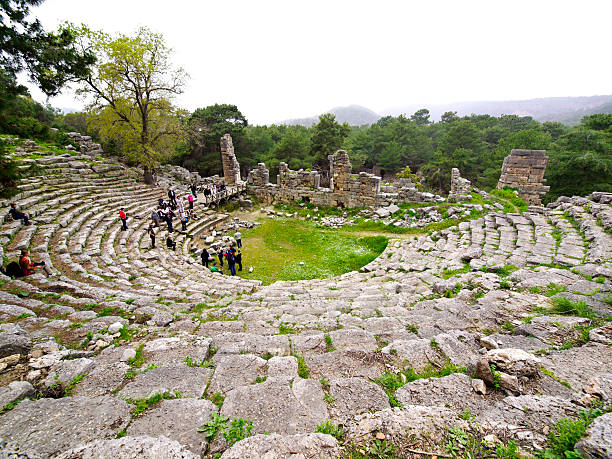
<point>580,157</point>
<point>141,123</point>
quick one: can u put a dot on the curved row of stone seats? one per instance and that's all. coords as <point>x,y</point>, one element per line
<point>590,217</point>
<point>354,328</point>
<point>76,235</point>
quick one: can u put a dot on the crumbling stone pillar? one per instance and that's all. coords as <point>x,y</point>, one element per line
<point>231,168</point>
<point>460,187</point>
<point>524,170</point>
<point>339,172</point>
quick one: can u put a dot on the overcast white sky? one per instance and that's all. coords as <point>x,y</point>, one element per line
<point>286,59</point>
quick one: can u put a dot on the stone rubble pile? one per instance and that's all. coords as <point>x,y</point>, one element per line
<point>336,222</point>
<point>87,145</point>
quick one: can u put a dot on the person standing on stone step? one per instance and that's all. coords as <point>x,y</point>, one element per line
<point>170,243</point>
<point>231,261</point>
<point>239,260</point>
<point>151,232</point>
<point>220,255</point>
<point>205,258</point>
<point>181,204</point>
<point>123,219</point>
<point>194,190</point>
<point>155,218</point>
<point>183,218</point>
<point>238,238</point>
<point>169,216</point>
<point>172,196</point>
<point>190,199</point>
<point>19,215</point>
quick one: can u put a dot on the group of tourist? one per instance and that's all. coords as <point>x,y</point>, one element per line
<point>232,255</point>
<point>165,212</point>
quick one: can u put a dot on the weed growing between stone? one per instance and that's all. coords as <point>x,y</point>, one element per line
<point>238,429</point>
<point>390,381</point>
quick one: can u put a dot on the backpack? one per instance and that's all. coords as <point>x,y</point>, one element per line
<point>14,270</point>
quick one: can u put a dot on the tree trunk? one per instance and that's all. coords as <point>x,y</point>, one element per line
<point>148,176</point>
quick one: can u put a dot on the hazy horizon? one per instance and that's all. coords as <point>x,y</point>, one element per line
<point>283,60</point>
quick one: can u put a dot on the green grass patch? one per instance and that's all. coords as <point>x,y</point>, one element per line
<point>287,249</point>
<point>576,308</point>
<point>550,290</point>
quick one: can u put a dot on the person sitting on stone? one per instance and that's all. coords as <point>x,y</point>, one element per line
<point>214,269</point>
<point>19,215</point>
<point>28,267</point>
<point>170,243</point>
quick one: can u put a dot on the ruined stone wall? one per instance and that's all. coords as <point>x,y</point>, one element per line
<point>524,170</point>
<point>288,178</point>
<point>259,176</point>
<point>408,192</point>
<point>460,187</point>
<point>231,168</point>
<point>346,189</point>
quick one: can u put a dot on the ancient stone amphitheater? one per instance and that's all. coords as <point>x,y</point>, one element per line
<point>126,351</point>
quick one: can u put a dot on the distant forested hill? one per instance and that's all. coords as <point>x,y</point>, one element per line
<point>567,110</point>
<point>354,115</point>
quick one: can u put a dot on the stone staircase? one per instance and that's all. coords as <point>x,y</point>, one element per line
<point>118,323</point>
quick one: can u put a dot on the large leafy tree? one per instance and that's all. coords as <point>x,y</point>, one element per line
<point>132,88</point>
<point>50,59</point>
<point>327,137</point>
<point>205,128</point>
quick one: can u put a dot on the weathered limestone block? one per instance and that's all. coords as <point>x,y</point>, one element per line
<point>130,447</point>
<point>524,170</point>
<point>47,427</point>
<point>231,168</point>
